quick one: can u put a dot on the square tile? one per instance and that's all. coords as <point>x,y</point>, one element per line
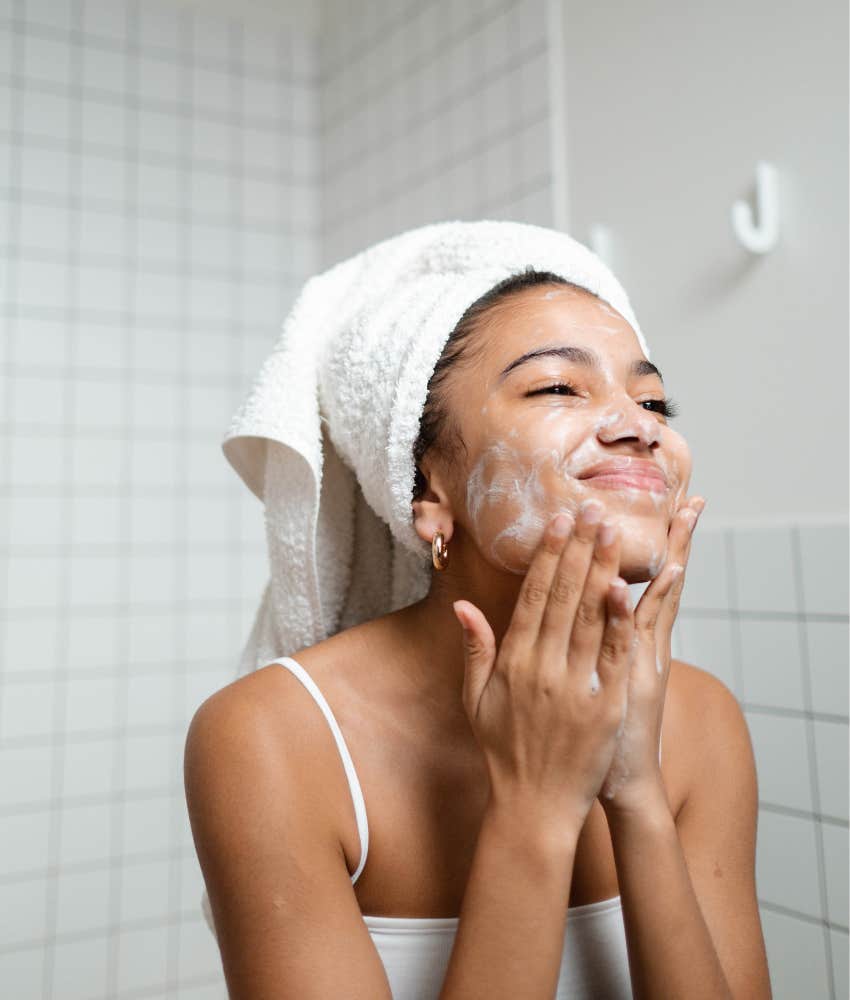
<point>26,709</point>
<point>22,971</point>
<point>707,579</point>
<point>91,704</point>
<point>770,663</point>
<point>27,901</point>
<point>143,959</point>
<point>80,966</point>
<point>34,520</point>
<point>831,744</point>
<point>159,26</point>
<point>764,568</point>
<point>145,890</point>
<point>105,18</point>
<point>781,750</point>
<point>796,957</point>
<point>26,775</point>
<point>88,768</point>
<point>47,59</point>
<point>829,668</point>
<point>152,764</point>
<point>708,643</point>
<point>824,552</point>
<point>786,863</point>
<point>148,825</point>
<point>23,842</point>
<point>835,843</point>
<point>33,581</point>
<point>86,834</point>
<point>150,699</point>
<point>82,900</point>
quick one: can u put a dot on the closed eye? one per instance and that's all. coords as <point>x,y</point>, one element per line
<point>666,407</point>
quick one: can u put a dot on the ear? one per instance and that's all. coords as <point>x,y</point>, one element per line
<point>432,512</point>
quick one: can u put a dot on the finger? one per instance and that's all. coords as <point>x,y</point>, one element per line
<point>534,592</point>
<point>568,583</point>
<point>646,614</point>
<point>591,615</point>
<point>678,550</point>
<point>617,638</point>
<point>670,603</point>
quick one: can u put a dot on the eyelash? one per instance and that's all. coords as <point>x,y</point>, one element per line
<point>669,408</point>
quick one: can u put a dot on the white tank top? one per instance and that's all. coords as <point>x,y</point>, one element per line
<point>415,951</point>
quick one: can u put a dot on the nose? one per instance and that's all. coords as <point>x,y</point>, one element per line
<point>629,421</point>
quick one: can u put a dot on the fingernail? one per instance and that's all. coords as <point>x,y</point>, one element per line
<point>561,526</point>
<point>591,511</point>
<point>607,532</point>
<point>690,516</point>
<point>676,570</point>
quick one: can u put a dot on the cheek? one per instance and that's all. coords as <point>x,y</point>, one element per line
<point>510,501</point>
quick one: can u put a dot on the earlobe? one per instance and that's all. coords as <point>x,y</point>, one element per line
<point>432,511</point>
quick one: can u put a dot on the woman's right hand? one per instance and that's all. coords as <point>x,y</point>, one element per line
<point>547,707</point>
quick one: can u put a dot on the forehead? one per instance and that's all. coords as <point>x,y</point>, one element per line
<point>557,314</point>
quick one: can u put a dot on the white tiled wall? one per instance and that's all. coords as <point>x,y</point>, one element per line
<point>158,211</point>
<point>766,610</point>
<point>431,111</point>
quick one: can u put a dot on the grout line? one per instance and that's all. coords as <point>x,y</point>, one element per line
<point>157,213</point>
<point>151,50</point>
<point>128,329</point>
<point>64,563</point>
<point>786,911</point>
<point>802,638</point>
<point>146,266</point>
<point>187,29</point>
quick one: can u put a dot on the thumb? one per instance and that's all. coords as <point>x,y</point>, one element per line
<point>479,653</point>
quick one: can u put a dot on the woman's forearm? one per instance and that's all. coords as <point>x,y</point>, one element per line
<point>671,954</point>
<point>510,935</point>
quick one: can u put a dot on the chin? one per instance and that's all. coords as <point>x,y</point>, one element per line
<point>642,556</point>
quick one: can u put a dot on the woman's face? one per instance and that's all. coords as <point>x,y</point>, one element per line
<point>531,446</point>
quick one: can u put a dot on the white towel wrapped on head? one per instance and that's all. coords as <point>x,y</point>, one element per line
<point>325,437</point>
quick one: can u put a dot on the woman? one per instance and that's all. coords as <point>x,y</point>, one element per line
<point>511,767</point>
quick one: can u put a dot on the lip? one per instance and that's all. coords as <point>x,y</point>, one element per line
<point>638,473</point>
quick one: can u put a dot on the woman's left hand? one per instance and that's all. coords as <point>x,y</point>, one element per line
<point>634,780</point>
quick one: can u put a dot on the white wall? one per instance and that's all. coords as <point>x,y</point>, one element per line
<point>670,106</point>
<point>157,213</point>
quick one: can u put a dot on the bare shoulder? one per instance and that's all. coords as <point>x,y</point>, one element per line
<point>286,917</point>
<point>711,730</point>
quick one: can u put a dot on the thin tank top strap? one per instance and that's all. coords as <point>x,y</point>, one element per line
<point>353,783</point>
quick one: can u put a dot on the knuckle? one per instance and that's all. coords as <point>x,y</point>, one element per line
<point>563,590</point>
<point>586,615</point>
<point>534,594</point>
<point>611,649</point>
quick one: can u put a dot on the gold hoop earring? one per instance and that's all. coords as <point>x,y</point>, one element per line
<point>439,551</point>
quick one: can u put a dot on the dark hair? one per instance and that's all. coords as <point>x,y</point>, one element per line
<point>437,427</point>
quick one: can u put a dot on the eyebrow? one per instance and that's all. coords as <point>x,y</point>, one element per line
<point>579,356</point>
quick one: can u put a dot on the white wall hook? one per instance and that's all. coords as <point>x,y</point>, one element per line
<point>600,242</point>
<point>759,232</point>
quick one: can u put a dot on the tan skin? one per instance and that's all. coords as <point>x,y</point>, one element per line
<point>395,684</point>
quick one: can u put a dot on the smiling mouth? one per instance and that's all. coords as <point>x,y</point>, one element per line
<point>626,480</point>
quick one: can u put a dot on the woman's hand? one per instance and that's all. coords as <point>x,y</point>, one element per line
<point>634,778</point>
<point>547,706</point>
